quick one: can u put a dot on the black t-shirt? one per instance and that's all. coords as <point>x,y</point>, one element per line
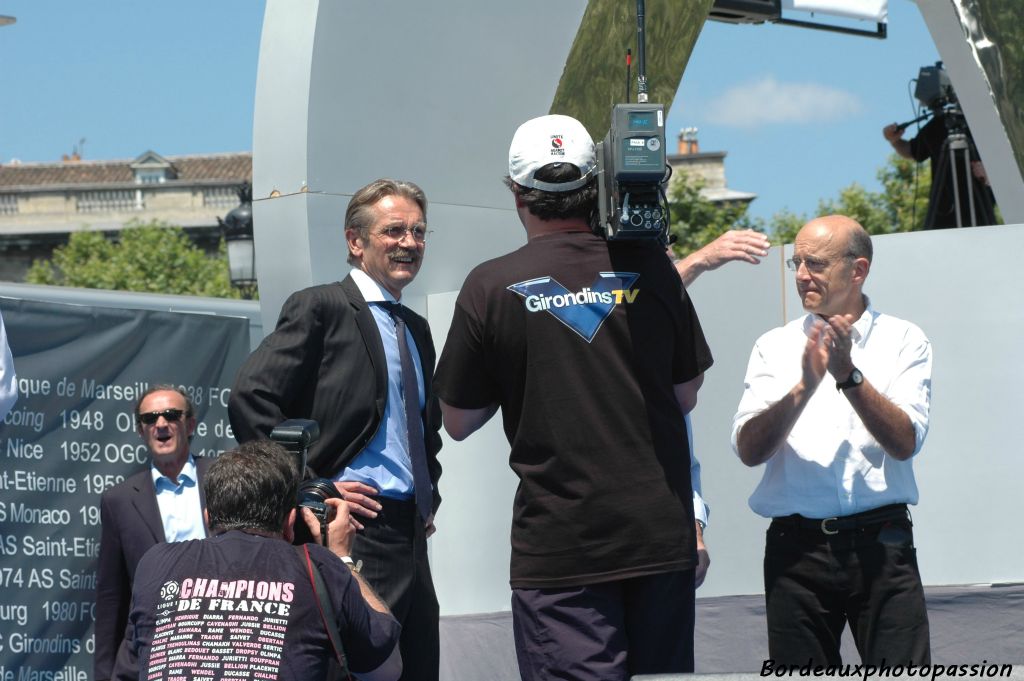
<point>580,342</point>
<point>239,604</point>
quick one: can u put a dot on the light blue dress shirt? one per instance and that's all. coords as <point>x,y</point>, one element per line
<point>180,507</point>
<point>384,463</point>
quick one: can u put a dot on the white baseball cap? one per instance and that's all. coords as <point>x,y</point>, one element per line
<point>551,139</point>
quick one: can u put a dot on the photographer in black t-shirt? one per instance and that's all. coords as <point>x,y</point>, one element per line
<point>244,598</point>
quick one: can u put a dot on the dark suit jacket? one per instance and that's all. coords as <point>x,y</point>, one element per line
<point>325,361</point>
<point>130,526</point>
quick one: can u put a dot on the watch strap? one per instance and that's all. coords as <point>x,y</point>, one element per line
<point>852,381</point>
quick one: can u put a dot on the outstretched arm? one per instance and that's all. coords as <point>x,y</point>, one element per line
<point>894,135</point>
<point>736,244</point>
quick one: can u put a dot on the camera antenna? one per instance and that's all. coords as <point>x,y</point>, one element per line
<point>641,60</point>
<point>629,63</point>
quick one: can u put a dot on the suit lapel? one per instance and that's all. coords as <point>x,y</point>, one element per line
<point>202,464</point>
<point>144,501</point>
<point>371,339</point>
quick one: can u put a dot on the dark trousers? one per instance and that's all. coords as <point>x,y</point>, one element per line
<point>606,632</point>
<point>817,582</point>
<point>393,548</point>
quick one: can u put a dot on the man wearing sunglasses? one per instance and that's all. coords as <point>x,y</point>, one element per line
<point>360,364</point>
<point>835,405</point>
<point>163,503</point>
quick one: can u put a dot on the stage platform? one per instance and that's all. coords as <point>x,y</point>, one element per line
<point>969,625</point>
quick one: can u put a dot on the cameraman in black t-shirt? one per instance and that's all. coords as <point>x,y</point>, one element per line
<point>593,352</point>
<point>947,143</point>
<point>244,598</point>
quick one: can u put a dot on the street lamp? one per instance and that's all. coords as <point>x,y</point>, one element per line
<point>237,230</point>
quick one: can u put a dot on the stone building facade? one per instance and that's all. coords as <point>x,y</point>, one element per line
<point>41,204</point>
<point>708,166</point>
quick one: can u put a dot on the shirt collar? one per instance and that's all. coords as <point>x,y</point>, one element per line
<point>861,327</point>
<point>187,474</point>
<point>371,291</point>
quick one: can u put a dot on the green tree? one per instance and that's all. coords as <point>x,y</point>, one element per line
<point>696,221</point>
<point>906,185</point>
<point>901,206</point>
<point>148,257</point>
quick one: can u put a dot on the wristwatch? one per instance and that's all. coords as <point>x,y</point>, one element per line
<point>854,380</point>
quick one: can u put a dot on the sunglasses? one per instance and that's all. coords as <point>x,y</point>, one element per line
<point>170,415</point>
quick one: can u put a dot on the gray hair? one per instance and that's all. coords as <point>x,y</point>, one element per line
<point>360,214</point>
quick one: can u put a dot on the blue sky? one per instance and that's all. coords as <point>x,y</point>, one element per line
<point>176,77</point>
<point>799,112</point>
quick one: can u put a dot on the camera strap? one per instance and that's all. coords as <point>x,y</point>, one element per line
<point>326,611</point>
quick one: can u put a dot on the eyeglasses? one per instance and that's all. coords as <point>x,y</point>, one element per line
<point>813,265</point>
<point>397,232</point>
<point>170,415</point>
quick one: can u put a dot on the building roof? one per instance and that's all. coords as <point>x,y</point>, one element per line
<point>722,194</point>
<point>232,167</point>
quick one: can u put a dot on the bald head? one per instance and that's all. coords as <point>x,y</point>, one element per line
<point>845,232</point>
<point>835,254</point>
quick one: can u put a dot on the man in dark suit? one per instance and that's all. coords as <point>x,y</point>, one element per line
<point>163,503</point>
<point>340,355</point>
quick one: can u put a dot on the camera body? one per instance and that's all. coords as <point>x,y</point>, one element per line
<point>934,89</point>
<point>296,436</point>
<point>313,494</point>
<point>631,171</point>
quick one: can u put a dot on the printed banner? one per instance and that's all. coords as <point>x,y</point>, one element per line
<point>70,436</point>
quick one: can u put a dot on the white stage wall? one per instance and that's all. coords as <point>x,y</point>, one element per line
<point>962,287</point>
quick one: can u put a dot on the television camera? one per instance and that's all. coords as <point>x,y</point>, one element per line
<point>631,163</point>
<point>934,90</point>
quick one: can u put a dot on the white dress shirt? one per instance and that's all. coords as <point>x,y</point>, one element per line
<point>180,507</point>
<point>830,465</point>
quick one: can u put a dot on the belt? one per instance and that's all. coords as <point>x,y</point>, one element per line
<point>846,523</point>
<point>394,512</point>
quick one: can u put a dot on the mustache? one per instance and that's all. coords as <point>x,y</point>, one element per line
<point>404,253</point>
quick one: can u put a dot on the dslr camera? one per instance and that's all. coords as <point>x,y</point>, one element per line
<point>296,435</point>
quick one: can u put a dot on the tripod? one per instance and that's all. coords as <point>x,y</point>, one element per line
<point>956,151</point>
